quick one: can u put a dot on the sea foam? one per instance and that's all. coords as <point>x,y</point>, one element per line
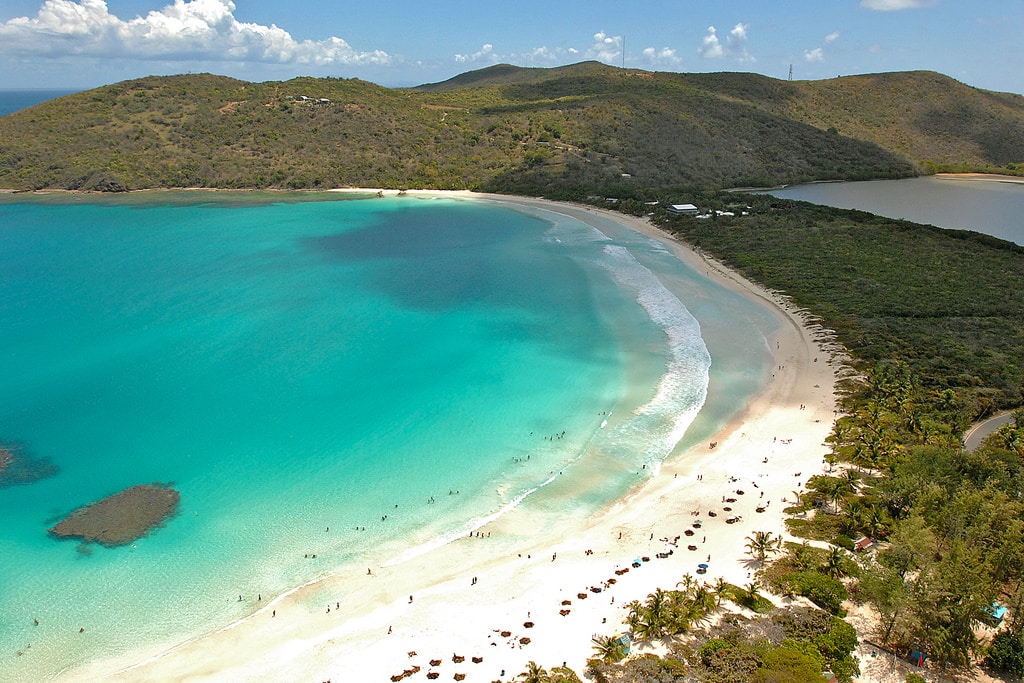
<point>682,390</point>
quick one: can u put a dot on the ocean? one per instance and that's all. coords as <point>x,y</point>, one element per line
<point>13,100</point>
<point>329,382</point>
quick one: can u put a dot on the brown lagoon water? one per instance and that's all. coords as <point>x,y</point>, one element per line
<point>991,207</point>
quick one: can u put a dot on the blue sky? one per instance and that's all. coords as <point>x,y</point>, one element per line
<point>79,44</point>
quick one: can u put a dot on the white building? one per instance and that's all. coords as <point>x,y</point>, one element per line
<point>683,209</point>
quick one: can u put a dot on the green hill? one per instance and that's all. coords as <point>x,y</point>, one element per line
<point>563,131</point>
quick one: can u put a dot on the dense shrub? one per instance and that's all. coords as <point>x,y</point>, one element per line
<point>1006,653</point>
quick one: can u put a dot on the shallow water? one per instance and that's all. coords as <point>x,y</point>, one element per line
<point>304,367</point>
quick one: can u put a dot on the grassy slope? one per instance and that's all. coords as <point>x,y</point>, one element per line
<point>564,131</point>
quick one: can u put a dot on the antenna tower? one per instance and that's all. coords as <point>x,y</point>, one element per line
<point>790,72</point>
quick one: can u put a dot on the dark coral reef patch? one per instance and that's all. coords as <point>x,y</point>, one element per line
<point>18,466</point>
<point>121,518</point>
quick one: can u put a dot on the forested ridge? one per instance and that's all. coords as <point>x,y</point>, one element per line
<point>562,132</point>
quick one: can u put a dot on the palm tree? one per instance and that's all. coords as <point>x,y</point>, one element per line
<point>876,520</point>
<point>833,490</point>
<point>802,555</point>
<point>750,596</point>
<point>762,544</point>
<point>534,674</point>
<point>854,516</point>
<point>835,563</point>
<point>608,649</point>
<point>704,597</point>
<point>656,607</point>
<point>851,479</point>
<point>635,615</point>
<point>652,627</point>
<point>721,590</point>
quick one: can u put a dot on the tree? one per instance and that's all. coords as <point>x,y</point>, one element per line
<point>836,563</point>
<point>634,615</point>
<point>608,649</point>
<point>656,609</point>
<point>721,590</point>
<point>534,674</point>
<point>875,521</point>
<point>763,543</point>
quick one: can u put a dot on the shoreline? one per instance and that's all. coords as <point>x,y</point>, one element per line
<point>525,570</point>
<point>991,177</point>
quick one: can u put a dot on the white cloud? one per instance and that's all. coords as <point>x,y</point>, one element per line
<point>485,53</point>
<point>552,55</point>
<point>815,55</point>
<point>832,37</point>
<point>605,48</point>
<point>186,30</point>
<point>735,46</point>
<point>892,5</point>
<point>665,55</point>
<point>711,47</point>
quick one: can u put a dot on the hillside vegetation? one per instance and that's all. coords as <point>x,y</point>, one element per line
<point>892,291</point>
<point>559,132</point>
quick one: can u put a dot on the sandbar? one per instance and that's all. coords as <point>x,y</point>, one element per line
<point>991,177</point>
<point>468,604</point>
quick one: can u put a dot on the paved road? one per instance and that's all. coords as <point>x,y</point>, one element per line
<point>976,434</point>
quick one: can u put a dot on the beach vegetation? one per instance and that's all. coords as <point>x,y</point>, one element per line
<point>608,648</point>
<point>534,673</point>
<point>816,526</point>
<point>824,591</point>
<point>563,674</point>
<point>790,644</point>
<point>813,572</point>
<point>761,544</point>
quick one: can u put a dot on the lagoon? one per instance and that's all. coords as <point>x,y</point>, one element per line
<point>985,204</point>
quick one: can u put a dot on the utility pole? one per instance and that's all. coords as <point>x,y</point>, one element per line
<point>790,72</point>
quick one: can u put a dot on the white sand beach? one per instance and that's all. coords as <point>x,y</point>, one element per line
<point>473,598</point>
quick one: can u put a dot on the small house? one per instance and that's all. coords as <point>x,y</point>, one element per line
<point>862,544</point>
<point>683,209</point>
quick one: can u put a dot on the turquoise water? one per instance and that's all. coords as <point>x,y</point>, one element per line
<point>293,363</point>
